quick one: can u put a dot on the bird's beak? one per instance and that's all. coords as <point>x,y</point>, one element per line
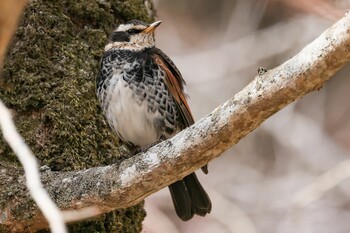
<point>152,27</point>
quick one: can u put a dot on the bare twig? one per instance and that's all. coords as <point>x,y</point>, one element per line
<point>30,165</point>
<point>84,213</point>
<point>323,184</point>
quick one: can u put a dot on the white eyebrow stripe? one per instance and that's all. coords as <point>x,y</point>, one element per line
<point>125,27</point>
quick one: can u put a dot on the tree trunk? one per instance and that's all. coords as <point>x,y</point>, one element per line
<point>49,84</point>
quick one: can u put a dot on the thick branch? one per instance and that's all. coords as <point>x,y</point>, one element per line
<point>134,179</point>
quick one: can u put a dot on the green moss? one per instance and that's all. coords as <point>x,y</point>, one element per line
<point>49,83</point>
<point>119,221</point>
<point>131,9</point>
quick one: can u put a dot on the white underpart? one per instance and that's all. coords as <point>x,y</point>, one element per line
<point>130,120</point>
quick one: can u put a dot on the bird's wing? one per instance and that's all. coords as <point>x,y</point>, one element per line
<point>175,83</point>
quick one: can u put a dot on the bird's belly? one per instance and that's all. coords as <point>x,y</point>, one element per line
<point>129,116</point>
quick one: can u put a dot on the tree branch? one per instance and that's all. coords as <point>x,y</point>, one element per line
<point>114,186</point>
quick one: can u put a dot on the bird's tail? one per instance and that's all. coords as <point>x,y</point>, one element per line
<point>189,198</point>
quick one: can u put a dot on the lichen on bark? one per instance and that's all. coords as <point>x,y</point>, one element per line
<point>48,82</point>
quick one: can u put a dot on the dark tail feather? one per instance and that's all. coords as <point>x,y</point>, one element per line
<point>201,204</point>
<point>189,198</point>
<point>181,200</point>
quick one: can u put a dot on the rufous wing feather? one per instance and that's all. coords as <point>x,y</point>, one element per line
<point>175,84</point>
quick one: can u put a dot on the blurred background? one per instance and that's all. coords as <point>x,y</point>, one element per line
<point>263,183</point>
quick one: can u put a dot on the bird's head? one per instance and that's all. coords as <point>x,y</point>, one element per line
<point>133,35</point>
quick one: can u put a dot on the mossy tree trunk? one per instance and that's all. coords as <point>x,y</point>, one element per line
<point>49,84</point>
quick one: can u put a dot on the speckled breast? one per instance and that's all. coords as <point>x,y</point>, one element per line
<point>134,97</point>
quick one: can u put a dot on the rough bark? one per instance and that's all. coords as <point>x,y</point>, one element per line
<point>48,82</point>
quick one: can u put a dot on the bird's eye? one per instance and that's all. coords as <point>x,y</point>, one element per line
<point>133,31</point>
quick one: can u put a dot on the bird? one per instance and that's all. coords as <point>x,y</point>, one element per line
<point>142,94</point>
